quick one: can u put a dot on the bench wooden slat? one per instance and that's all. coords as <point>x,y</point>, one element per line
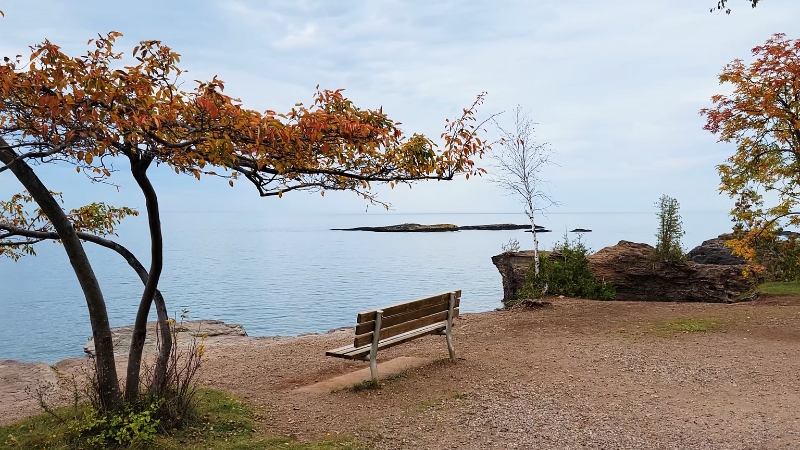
<point>400,308</point>
<point>396,319</point>
<point>403,327</point>
<point>350,352</point>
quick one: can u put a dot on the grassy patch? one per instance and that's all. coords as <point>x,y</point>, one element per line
<point>779,288</point>
<point>364,385</point>
<point>430,403</point>
<point>224,423</point>
<point>686,324</point>
<point>456,395</point>
<point>395,376</point>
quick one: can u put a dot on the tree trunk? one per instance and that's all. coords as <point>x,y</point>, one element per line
<point>107,381</point>
<point>160,371</point>
<point>139,166</point>
<point>535,245</point>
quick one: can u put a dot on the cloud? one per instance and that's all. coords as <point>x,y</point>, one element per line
<point>615,87</point>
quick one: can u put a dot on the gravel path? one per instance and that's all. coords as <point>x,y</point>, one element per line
<point>578,374</point>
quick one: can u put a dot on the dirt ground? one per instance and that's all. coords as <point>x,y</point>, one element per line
<point>576,374</point>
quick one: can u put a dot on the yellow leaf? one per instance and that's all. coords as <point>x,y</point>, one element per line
<point>230,182</point>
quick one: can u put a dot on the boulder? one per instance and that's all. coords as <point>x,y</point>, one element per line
<point>513,267</point>
<point>209,331</point>
<point>629,267</point>
<point>714,251</point>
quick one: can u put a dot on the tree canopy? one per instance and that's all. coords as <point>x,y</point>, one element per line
<point>87,111</point>
<point>762,117</point>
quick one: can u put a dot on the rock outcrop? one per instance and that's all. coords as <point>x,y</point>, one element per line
<point>629,267</point>
<point>714,251</point>
<point>211,331</point>
<point>513,267</point>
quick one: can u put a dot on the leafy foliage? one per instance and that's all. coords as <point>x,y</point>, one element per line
<point>16,215</point>
<point>670,229</point>
<point>565,271</point>
<point>134,425</point>
<point>777,258</point>
<point>85,110</point>
<point>761,117</point>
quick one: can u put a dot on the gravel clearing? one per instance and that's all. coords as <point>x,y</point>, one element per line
<point>579,374</point>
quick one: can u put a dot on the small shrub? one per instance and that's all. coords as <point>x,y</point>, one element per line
<point>512,246</point>
<point>134,425</point>
<point>364,385</point>
<point>172,407</point>
<point>565,271</point>
<point>780,257</point>
<point>670,231</point>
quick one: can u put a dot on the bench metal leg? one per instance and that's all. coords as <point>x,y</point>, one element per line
<point>449,329</point>
<point>373,353</point>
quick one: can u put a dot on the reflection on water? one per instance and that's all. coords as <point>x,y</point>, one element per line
<point>286,275</point>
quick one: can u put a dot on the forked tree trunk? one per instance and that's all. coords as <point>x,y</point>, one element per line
<point>107,381</point>
<point>160,371</point>
<point>139,166</point>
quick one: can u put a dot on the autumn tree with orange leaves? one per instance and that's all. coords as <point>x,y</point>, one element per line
<point>89,111</point>
<point>762,117</point>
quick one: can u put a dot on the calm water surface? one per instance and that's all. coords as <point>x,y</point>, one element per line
<point>286,275</point>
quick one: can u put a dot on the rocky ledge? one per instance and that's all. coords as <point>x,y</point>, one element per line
<point>415,227</point>
<point>636,276</point>
<point>211,331</point>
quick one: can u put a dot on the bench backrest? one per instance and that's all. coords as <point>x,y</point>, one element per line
<point>404,317</point>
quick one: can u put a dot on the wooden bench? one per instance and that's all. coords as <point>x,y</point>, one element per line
<point>393,325</point>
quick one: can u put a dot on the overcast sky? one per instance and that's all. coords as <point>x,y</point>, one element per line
<point>614,86</point>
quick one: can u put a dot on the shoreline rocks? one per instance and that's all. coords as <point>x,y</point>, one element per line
<point>211,331</point>
<point>636,276</point>
<point>714,251</point>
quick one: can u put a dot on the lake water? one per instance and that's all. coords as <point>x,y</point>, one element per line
<point>287,275</point>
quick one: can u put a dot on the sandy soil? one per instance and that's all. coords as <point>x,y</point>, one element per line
<point>577,374</point>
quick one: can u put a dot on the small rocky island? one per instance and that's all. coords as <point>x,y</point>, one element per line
<point>417,228</point>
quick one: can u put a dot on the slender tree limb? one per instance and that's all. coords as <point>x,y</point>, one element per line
<point>98,315</point>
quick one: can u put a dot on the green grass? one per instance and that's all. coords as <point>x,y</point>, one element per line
<point>225,424</point>
<point>779,288</point>
<point>366,384</point>
<point>686,324</point>
<point>457,395</point>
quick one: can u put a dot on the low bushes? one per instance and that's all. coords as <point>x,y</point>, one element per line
<point>564,271</point>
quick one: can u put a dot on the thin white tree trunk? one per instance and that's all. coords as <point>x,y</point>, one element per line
<point>535,245</point>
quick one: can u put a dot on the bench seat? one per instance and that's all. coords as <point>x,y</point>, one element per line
<point>350,352</point>
<point>402,322</point>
